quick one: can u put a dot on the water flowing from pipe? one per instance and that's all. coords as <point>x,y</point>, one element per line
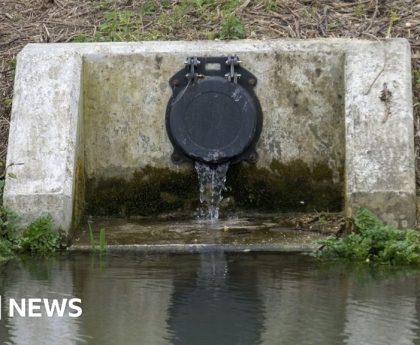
<point>212,180</point>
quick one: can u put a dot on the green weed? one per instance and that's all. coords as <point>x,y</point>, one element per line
<point>150,7</point>
<point>12,63</point>
<point>359,10</point>
<point>6,251</point>
<point>9,229</point>
<point>416,75</point>
<point>232,27</point>
<point>91,238</point>
<point>102,241</point>
<point>165,20</point>
<point>117,26</point>
<point>393,18</point>
<point>7,102</point>
<point>373,242</point>
<point>40,237</point>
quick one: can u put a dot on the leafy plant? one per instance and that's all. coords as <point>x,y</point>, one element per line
<point>40,238</point>
<point>6,251</point>
<point>8,225</point>
<point>373,242</point>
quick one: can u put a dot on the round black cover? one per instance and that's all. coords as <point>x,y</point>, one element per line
<point>213,120</point>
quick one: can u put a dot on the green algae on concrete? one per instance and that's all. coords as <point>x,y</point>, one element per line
<point>285,187</point>
<point>149,191</point>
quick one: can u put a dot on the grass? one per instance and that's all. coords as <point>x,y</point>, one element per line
<point>219,20</point>
<point>373,242</point>
<point>91,237</point>
<point>102,240</point>
<point>232,27</point>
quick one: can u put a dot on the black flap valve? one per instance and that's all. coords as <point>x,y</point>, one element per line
<point>213,115</point>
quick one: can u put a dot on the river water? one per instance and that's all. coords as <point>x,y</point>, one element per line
<point>212,298</point>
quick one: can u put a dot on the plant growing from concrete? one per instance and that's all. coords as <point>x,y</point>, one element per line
<point>102,241</point>
<point>91,238</point>
<point>372,241</point>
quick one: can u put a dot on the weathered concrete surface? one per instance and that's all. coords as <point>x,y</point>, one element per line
<point>321,102</point>
<point>202,248</point>
<point>44,135</point>
<point>231,235</point>
<point>380,170</point>
<point>266,231</point>
<point>301,94</point>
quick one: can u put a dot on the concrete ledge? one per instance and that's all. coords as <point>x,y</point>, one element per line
<point>202,248</point>
<point>366,139</point>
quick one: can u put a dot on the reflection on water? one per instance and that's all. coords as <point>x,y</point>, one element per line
<point>213,298</point>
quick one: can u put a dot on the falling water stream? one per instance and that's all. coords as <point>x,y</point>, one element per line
<point>211,181</point>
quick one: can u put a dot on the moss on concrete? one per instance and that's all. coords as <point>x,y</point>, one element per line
<point>150,191</point>
<point>292,186</point>
<point>284,187</point>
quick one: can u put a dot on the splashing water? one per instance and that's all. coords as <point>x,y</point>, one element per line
<point>212,181</point>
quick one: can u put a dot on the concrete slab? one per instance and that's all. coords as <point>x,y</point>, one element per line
<point>86,112</point>
<point>241,234</point>
<point>201,248</point>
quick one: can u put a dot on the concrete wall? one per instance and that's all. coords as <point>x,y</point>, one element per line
<point>301,94</point>
<point>85,112</point>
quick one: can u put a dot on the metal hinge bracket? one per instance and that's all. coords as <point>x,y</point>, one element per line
<point>233,62</point>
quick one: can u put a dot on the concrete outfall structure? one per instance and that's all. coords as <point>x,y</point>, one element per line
<point>97,110</point>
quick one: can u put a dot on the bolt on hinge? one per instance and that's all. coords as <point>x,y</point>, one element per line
<point>233,62</point>
<point>191,63</point>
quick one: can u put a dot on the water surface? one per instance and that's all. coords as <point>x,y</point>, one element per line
<point>213,298</point>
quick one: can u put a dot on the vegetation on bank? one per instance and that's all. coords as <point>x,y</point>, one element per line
<point>167,20</point>
<point>39,238</point>
<point>372,241</point>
